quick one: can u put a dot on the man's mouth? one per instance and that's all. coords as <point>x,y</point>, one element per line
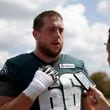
<point>56,43</point>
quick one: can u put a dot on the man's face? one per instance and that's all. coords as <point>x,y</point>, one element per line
<point>50,37</point>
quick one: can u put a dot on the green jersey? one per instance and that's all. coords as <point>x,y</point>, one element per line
<point>65,94</point>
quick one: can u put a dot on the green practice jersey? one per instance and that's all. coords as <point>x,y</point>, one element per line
<point>65,94</point>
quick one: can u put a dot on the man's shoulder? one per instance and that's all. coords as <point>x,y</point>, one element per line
<point>20,59</point>
<point>68,64</point>
<point>70,59</point>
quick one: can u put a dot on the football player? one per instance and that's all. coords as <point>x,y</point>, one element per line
<point>43,79</point>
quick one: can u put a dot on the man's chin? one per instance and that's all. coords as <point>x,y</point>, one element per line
<point>53,54</point>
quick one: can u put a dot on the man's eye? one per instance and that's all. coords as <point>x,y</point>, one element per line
<point>51,30</point>
<point>60,30</point>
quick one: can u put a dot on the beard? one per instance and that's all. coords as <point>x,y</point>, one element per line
<point>52,54</point>
<point>49,52</point>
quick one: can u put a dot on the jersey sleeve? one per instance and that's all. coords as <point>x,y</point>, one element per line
<point>8,86</point>
<point>7,89</point>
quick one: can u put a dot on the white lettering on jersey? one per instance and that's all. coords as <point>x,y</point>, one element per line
<point>67,65</point>
<point>63,95</point>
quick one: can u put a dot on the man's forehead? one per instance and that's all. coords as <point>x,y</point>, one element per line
<point>53,22</point>
<point>52,19</point>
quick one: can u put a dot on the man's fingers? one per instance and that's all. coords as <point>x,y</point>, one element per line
<point>95,91</point>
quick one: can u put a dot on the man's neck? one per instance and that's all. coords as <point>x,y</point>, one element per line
<point>44,57</point>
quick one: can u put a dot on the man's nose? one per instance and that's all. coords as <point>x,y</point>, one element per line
<point>57,34</point>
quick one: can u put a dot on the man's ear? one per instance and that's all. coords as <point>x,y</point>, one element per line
<point>35,34</point>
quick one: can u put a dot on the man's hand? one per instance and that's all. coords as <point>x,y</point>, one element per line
<point>43,78</point>
<point>96,99</point>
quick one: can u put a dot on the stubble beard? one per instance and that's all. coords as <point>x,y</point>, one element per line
<point>48,52</point>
